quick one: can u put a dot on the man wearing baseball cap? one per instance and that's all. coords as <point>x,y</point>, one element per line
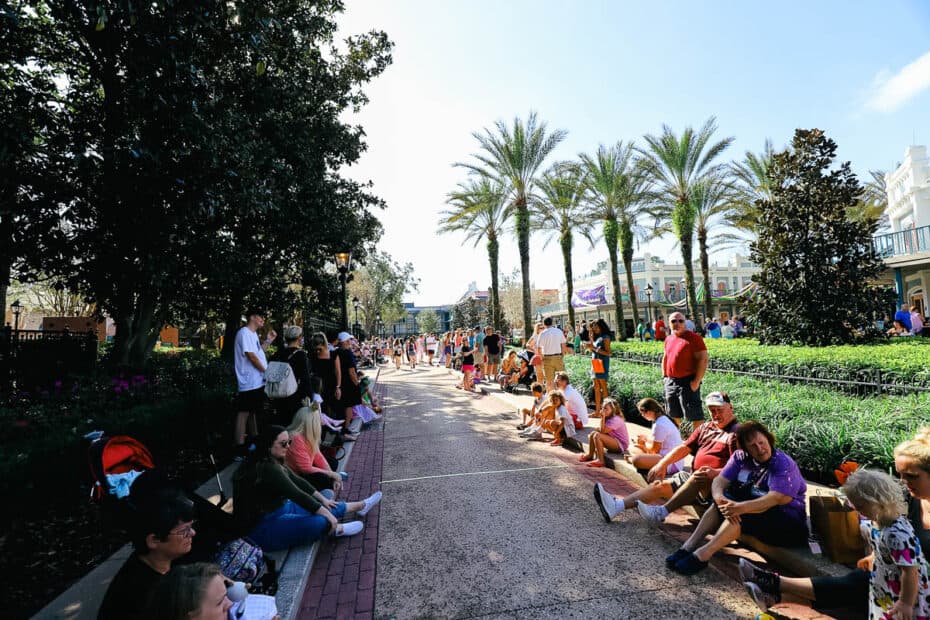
<point>710,444</point>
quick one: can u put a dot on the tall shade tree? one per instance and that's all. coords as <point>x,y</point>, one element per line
<point>616,190</point>
<point>752,183</point>
<point>558,213</point>
<point>514,155</point>
<point>677,165</point>
<point>478,208</point>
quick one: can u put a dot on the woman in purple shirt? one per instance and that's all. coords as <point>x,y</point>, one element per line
<point>760,492</point>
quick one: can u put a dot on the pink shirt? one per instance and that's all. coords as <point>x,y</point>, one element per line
<point>616,428</point>
<point>299,460</point>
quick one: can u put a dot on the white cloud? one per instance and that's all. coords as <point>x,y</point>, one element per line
<point>891,91</point>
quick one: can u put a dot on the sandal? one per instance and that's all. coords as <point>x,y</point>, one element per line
<point>584,458</point>
<point>594,464</point>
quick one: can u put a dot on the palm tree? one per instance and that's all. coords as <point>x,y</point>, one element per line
<point>557,211</point>
<point>712,206</point>
<point>513,156</point>
<point>479,209</point>
<point>753,183</point>
<point>616,189</point>
<point>677,166</point>
<point>873,201</point>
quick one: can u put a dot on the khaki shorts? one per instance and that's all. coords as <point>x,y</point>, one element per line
<point>551,364</point>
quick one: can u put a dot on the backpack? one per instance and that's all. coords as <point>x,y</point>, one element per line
<point>242,560</point>
<point>280,381</point>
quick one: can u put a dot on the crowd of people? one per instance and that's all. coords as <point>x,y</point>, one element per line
<point>739,482</point>
<point>285,488</point>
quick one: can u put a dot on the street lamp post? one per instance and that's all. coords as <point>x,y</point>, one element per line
<point>16,308</point>
<point>649,290</point>
<point>343,262</point>
<point>355,304</point>
<point>380,325</point>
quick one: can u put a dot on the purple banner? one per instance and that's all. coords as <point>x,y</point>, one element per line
<point>590,297</point>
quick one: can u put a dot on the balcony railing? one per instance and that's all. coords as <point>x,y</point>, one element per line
<point>903,243</point>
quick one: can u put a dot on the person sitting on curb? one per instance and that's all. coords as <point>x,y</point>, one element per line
<point>529,414</point>
<point>192,592</point>
<point>549,412</point>
<point>279,508</point>
<point>664,438</point>
<point>303,456</point>
<point>509,370</point>
<point>162,531</point>
<point>851,591</point>
<point>760,492</point>
<point>613,435</point>
<point>574,401</point>
<point>711,445</point>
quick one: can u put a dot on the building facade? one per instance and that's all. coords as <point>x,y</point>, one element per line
<point>906,249</point>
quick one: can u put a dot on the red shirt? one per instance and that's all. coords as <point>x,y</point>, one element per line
<point>711,445</point>
<point>679,359</point>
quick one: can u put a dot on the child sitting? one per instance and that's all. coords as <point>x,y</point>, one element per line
<point>528,414</point>
<point>546,416</point>
<point>612,435</point>
<point>899,585</point>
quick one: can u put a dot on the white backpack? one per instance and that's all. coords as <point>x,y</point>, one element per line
<point>280,381</point>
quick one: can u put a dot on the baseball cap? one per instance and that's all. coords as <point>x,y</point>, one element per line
<point>343,336</point>
<point>717,399</point>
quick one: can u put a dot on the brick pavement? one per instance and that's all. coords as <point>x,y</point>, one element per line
<point>342,580</point>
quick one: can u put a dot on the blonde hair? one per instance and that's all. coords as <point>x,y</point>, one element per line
<point>917,448</point>
<point>878,489</point>
<point>307,424</point>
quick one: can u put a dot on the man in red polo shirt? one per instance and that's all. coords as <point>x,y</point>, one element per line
<point>683,366</point>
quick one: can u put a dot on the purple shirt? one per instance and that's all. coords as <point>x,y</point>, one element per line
<point>616,428</point>
<point>780,474</point>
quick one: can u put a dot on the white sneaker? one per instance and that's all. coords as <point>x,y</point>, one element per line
<point>653,514</point>
<point>605,502</point>
<point>350,528</point>
<point>535,435</point>
<point>370,503</point>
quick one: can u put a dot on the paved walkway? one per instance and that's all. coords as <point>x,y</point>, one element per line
<point>477,523</point>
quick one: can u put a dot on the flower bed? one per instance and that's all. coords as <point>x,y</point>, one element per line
<point>900,361</point>
<point>820,428</point>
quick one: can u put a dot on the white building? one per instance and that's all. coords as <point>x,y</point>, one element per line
<point>906,250</point>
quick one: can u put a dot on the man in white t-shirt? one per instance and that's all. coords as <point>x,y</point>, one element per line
<point>431,343</point>
<point>250,363</point>
<point>550,344</point>
<point>574,401</point>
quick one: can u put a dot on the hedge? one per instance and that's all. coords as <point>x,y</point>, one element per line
<point>820,428</point>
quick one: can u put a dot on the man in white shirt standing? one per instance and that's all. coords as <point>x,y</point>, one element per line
<point>250,363</point>
<point>550,344</point>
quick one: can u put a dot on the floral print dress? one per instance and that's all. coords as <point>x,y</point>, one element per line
<point>896,546</point>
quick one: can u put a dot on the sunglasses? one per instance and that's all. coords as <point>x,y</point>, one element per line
<point>185,532</point>
<point>285,444</point>
<point>677,321</point>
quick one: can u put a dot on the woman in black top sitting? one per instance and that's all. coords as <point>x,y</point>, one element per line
<point>292,352</point>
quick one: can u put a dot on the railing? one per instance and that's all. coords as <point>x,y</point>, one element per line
<point>34,358</point>
<point>903,243</point>
<point>864,382</point>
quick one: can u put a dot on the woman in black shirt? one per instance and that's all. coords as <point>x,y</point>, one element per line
<point>293,353</point>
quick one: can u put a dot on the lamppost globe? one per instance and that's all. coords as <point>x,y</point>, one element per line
<point>343,265</point>
<point>16,308</point>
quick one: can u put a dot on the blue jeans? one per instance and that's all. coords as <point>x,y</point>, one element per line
<point>291,525</point>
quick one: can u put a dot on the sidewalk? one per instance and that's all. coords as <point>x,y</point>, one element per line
<point>345,567</point>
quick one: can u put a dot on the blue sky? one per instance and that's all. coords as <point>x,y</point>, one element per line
<point>608,71</point>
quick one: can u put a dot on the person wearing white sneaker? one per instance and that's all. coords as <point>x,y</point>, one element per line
<point>280,509</point>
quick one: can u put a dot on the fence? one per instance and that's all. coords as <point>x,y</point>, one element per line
<point>864,382</point>
<point>32,358</point>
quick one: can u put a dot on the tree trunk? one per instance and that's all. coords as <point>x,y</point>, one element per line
<point>686,251</point>
<point>705,272</point>
<point>493,258</point>
<point>522,216</point>
<point>610,238</point>
<point>233,323</point>
<point>626,249</point>
<point>566,242</point>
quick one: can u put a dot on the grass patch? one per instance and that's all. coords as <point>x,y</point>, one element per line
<point>819,428</point>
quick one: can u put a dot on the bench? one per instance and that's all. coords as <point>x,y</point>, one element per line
<point>82,600</point>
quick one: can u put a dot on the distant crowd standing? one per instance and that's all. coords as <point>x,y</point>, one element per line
<point>285,489</point>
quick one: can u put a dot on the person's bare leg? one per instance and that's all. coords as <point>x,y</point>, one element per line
<point>605,442</point>
<point>687,494</point>
<point>645,461</point>
<point>708,524</point>
<point>727,533</point>
<point>802,587</point>
<point>239,427</point>
<point>646,495</point>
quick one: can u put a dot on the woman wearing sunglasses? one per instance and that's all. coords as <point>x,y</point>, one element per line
<point>280,509</point>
